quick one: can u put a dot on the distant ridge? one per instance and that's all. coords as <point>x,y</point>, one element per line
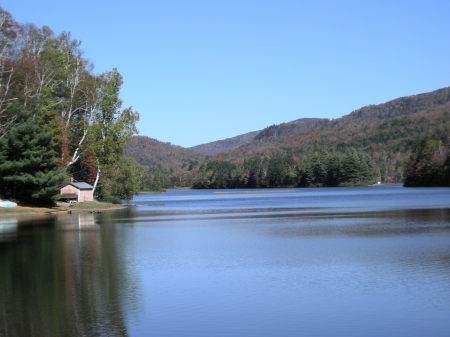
<point>162,156</point>
<point>270,133</point>
<point>387,132</point>
<point>224,145</point>
<point>406,105</point>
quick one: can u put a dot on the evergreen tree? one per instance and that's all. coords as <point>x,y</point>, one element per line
<point>334,170</point>
<point>325,169</point>
<point>357,168</point>
<point>252,169</point>
<point>275,171</point>
<point>429,164</point>
<point>29,169</point>
<point>305,176</point>
<point>320,168</point>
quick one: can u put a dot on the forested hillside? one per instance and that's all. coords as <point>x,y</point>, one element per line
<point>386,132</point>
<point>288,153</point>
<point>270,134</point>
<point>170,165</point>
<point>225,145</point>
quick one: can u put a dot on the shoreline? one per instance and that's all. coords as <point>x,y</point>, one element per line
<point>24,210</point>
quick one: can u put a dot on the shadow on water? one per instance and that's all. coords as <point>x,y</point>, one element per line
<point>307,222</point>
<point>61,276</point>
<point>365,224</point>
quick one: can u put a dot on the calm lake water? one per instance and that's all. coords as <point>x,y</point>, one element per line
<point>365,261</point>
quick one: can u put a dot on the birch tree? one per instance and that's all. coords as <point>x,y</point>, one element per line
<point>57,83</point>
<point>113,126</point>
<point>45,78</point>
<point>9,34</point>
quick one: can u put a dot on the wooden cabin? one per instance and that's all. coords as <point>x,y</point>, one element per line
<point>78,191</point>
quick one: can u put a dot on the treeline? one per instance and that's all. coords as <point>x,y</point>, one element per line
<point>322,169</point>
<point>429,164</point>
<point>349,168</point>
<point>387,132</point>
<point>58,119</point>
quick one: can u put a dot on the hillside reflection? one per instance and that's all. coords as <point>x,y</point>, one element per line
<point>67,279</point>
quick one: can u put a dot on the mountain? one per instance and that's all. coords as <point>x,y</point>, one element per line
<point>389,127</point>
<point>153,153</point>
<point>387,132</point>
<point>224,145</point>
<point>171,162</point>
<point>291,135</point>
<point>269,134</point>
<point>274,133</point>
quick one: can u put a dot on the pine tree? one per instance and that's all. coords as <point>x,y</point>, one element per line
<point>30,171</point>
<point>357,168</point>
<point>429,164</point>
<point>334,170</point>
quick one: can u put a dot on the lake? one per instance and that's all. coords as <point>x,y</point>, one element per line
<point>362,261</point>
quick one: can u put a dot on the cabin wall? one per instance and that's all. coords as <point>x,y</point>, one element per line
<point>86,195</point>
<point>83,195</point>
<point>69,189</point>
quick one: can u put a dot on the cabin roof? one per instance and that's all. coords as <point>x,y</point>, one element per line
<point>81,185</point>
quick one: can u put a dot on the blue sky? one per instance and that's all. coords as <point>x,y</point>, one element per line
<point>199,71</point>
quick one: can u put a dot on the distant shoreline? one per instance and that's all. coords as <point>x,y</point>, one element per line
<point>255,192</point>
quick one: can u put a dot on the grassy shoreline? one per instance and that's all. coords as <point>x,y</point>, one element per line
<point>78,208</point>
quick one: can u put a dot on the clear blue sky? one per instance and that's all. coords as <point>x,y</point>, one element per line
<point>199,71</point>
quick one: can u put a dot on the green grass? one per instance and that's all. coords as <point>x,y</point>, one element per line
<point>21,209</point>
<point>12,210</point>
<point>95,205</point>
<point>92,205</point>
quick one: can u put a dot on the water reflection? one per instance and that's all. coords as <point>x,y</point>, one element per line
<point>80,221</point>
<point>307,222</point>
<point>366,224</point>
<point>66,278</point>
<point>361,265</point>
<point>8,229</point>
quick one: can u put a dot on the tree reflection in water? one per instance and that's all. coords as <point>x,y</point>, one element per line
<point>63,276</point>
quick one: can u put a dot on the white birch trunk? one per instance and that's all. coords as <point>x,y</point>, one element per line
<point>96,179</point>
